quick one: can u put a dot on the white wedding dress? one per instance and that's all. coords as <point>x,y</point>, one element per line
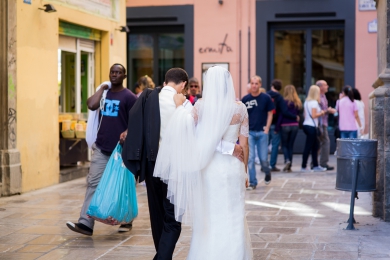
<point>220,230</point>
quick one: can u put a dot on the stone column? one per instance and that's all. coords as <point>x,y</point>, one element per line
<point>380,115</point>
<point>10,167</point>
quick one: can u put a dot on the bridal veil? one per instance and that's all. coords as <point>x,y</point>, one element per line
<point>190,141</point>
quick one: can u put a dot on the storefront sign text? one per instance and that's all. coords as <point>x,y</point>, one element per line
<point>367,5</point>
<point>221,47</point>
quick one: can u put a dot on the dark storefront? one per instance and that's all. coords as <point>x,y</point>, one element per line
<point>302,41</point>
<point>161,37</point>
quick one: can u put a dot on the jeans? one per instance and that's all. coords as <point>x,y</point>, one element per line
<point>348,134</point>
<point>311,145</point>
<point>275,141</point>
<point>289,133</point>
<point>324,147</point>
<point>259,141</point>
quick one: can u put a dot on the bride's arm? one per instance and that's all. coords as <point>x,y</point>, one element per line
<point>243,137</point>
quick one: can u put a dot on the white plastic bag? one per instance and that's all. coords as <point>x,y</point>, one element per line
<point>93,123</point>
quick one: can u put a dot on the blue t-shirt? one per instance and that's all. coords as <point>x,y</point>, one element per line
<point>258,108</point>
<point>115,118</point>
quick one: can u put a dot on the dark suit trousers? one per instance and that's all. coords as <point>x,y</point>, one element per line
<point>165,229</point>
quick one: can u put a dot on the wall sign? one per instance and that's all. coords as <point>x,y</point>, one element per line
<point>367,5</point>
<point>220,48</point>
<point>27,2</point>
<point>105,8</point>
<point>373,26</point>
<point>74,30</point>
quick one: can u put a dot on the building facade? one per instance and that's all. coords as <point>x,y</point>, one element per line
<point>297,41</point>
<point>51,61</point>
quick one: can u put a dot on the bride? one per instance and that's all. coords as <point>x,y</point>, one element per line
<point>209,192</point>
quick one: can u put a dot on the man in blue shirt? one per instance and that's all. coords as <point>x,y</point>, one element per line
<point>260,106</point>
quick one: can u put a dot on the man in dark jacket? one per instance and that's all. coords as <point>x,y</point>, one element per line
<point>280,108</point>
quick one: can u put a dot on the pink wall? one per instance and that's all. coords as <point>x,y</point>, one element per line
<point>366,68</point>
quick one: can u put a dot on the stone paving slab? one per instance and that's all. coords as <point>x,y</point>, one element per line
<point>297,216</point>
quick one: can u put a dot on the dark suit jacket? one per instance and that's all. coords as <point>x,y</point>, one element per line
<point>143,134</point>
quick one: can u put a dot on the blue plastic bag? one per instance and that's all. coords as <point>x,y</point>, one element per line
<point>115,199</point>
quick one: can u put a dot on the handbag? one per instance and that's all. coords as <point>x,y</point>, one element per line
<point>115,198</point>
<point>319,129</point>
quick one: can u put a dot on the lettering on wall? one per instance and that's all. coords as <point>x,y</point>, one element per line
<point>220,49</point>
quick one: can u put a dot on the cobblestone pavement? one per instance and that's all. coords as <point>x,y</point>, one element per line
<point>297,216</point>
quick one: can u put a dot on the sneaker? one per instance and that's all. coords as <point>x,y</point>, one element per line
<point>319,169</point>
<point>287,167</point>
<point>328,168</point>
<point>79,228</point>
<point>267,179</point>
<point>251,187</point>
<point>275,169</point>
<point>257,161</point>
<point>125,227</point>
<point>306,170</point>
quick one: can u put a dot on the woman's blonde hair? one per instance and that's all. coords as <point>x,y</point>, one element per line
<point>314,93</point>
<point>145,82</point>
<point>290,94</point>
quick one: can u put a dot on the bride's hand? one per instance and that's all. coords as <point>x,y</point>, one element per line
<point>246,182</point>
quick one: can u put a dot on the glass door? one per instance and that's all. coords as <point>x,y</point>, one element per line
<point>153,51</point>
<point>302,55</point>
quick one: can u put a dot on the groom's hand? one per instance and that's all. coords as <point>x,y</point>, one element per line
<point>122,137</point>
<point>179,99</point>
<point>238,152</point>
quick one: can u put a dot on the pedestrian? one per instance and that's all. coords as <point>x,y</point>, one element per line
<point>324,148</point>
<point>289,127</point>
<point>193,91</point>
<point>280,108</point>
<point>113,119</point>
<point>312,111</point>
<point>348,113</point>
<point>360,105</point>
<point>143,83</point>
<point>260,107</point>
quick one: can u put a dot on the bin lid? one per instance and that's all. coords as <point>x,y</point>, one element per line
<point>357,148</point>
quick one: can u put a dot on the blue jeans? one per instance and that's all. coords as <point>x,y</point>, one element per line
<point>275,141</point>
<point>348,134</point>
<point>259,141</point>
<point>289,133</point>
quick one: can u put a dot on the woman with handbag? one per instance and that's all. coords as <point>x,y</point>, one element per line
<point>310,128</point>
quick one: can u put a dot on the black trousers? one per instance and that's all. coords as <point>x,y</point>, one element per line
<point>165,229</point>
<point>311,145</point>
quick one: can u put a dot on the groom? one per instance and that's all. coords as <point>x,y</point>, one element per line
<point>147,122</point>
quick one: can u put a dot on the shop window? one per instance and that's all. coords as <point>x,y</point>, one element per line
<point>153,54</point>
<point>302,57</point>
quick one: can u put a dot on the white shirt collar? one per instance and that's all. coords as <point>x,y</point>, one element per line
<point>169,88</point>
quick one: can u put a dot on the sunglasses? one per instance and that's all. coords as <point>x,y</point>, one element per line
<point>194,86</point>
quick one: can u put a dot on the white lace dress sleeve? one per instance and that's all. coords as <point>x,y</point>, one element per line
<point>244,126</point>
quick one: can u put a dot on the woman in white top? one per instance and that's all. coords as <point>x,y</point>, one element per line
<point>360,105</point>
<point>312,113</point>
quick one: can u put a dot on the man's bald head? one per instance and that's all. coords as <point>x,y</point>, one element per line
<point>323,86</point>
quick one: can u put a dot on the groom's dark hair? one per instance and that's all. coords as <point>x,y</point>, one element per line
<point>176,75</point>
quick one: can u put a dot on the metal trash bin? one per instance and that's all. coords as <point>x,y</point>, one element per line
<point>356,168</point>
